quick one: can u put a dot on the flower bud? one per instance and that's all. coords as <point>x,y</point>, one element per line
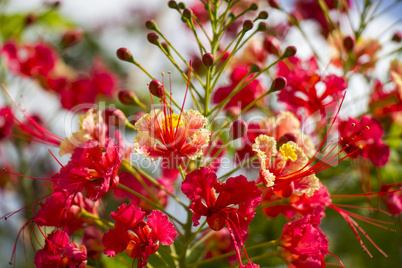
<point>156,88</point>
<point>208,59</point>
<point>71,38</point>
<point>271,45</point>
<point>348,43</point>
<point>166,47</point>
<point>124,54</point>
<point>182,5</point>
<point>397,37</point>
<point>262,26</point>
<point>114,117</point>
<point>248,25</point>
<point>172,4</point>
<point>279,83</point>
<point>187,13</point>
<point>150,24</point>
<point>289,52</point>
<point>255,68</point>
<point>253,6</point>
<point>238,129</point>
<point>263,15</point>
<point>273,3</point>
<point>30,19</point>
<point>286,138</point>
<point>153,38</point>
<point>126,97</point>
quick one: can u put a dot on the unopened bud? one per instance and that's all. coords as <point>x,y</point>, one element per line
<point>166,47</point>
<point>153,38</point>
<point>238,129</point>
<point>71,38</point>
<point>30,19</point>
<point>208,59</point>
<point>279,83</point>
<point>114,117</point>
<point>248,25</point>
<point>182,5</point>
<point>187,13</point>
<point>273,3</point>
<point>124,54</point>
<point>286,138</point>
<point>255,68</point>
<point>348,43</point>
<point>271,45</point>
<point>262,26</point>
<point>172,4</point>
<point>253,6</point>
<point>156,88</point>
<point>126,97</point>
<point>263,15</point>
<point>290,51</point>
<point>397,37</point>
<point>150,24</point>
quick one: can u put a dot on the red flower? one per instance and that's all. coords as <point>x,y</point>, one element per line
<point>63,210</point>
<point>138,238</point>
<point>30,59</point>
<point>393,200</point>
<point>299,205</point>
<point>303,243</point>
<point>93,168</point>
<point>201,187</point>
<point>245,96</point>
<point>363,138</point>
<point>301,91</point>
<point>59,252</point>
<point>6,121</point>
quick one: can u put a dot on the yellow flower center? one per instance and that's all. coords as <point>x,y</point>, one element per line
<point>172,121</point>
<point>288,151</point>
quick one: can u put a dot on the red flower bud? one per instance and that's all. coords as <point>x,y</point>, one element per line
<point>156,88</point>
<point>238,129</point>
<point>263,15</point>
<point>114,117</point>
<point>279,83</point>
<point>187,13</point>
<point>124,54</point>
<point>150,24</point>
<point>289,52</point>
<point>126,97</point>
<point>248,25</point>
<point>262,26</point>
<point>253,6</point>
<point>153,38</point>
<point>172,4</point>
<point>208,59</point>
<point>71,38</point>
<point>348,43</point>
<point>397,37</point>
<point>273,3</point>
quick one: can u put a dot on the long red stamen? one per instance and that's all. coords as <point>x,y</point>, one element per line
<point>185,95</point>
